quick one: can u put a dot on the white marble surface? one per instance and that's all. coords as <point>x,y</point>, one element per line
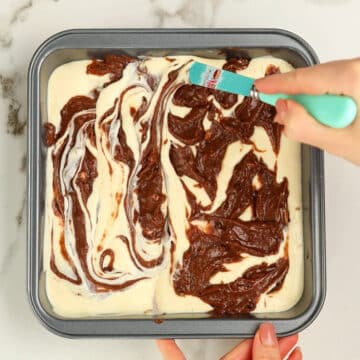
<point>329,25</point>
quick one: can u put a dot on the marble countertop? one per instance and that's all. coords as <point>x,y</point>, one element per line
<point>330,26</point>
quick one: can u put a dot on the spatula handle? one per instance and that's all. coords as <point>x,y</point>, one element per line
<point>331,110</point>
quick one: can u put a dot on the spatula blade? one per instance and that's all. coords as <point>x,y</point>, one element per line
<point>215,78</point>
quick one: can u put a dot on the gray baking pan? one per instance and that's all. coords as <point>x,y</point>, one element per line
<point>83,44</point>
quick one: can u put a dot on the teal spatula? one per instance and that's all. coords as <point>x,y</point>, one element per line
<point>336,111</point>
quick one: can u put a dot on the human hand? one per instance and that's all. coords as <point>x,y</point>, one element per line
<point>337,77</point>
<point>264,346</point>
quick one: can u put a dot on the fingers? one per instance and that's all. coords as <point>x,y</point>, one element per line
<point>266,346</point>
<point>286,344</point>
<point>243,351</point>
<point>240,352</point>
<point>299,125</point>
<point>302,127</point>
<point>335,77</point>
<point>296,355</point>
<point>169,350</point>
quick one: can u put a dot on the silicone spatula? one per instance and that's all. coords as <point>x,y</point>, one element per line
<point>336,111</point>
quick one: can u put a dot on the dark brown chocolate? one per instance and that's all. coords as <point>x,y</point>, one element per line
<point>50,134</point>
<point>236,64</point>
<point>111,64</point>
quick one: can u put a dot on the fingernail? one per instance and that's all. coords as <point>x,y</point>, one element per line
<point>298,352</point>
<point>267,335</point>
<point>281,107</point>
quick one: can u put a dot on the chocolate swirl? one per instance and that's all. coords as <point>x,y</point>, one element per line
<point>110,185</point>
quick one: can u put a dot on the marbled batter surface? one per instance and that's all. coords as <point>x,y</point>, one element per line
<point>116,138</point>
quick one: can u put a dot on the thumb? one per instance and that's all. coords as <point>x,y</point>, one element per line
<point>266,346</point>
<point>169,350</point>
<point>299,125</point>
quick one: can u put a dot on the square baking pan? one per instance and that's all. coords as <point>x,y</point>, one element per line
<point>86,44</point>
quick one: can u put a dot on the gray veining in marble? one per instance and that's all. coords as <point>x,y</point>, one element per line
<point>20,12</point>
<point>191,12</point>
<point>15,123</point>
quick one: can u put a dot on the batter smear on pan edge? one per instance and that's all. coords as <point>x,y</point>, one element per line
<point>155,181</point>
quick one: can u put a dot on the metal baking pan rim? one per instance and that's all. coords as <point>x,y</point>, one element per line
<point>317,199</point>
